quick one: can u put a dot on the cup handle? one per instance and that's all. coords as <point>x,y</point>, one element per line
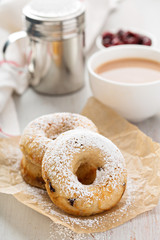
<point>11,39</point>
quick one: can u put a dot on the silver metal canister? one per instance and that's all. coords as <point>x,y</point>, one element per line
<point>55,29</point>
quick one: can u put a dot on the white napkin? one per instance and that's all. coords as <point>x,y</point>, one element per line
<point>10,80</point>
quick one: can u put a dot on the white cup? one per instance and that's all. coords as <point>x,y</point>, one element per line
<point>135,102</point>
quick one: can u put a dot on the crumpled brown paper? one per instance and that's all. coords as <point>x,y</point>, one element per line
<point>142,157</point>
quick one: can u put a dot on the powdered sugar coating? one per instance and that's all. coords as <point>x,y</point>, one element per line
<point>62,160</point>
<point>43,130</point>
<point>94,223</point>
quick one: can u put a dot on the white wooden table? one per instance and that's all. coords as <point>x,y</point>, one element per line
<point>18,222</point>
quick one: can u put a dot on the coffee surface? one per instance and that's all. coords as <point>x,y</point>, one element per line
<point>130,70</point>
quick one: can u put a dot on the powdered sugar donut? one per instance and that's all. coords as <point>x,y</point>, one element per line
<point>84,173</point>
<point>36,136</point>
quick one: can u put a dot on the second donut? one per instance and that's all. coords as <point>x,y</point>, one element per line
<point>36,136</point>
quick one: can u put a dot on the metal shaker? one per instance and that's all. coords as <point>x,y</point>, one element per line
<point>55,28</point>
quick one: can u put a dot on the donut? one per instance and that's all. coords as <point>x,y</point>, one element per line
<point>84,173</point>
<point>38,134</point>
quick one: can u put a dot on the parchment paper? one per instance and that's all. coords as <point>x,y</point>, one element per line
<point>142,157</point>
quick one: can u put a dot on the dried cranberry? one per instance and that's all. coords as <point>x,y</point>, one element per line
<point>107,45</point>
<point>107,39</point>
<point>107,35</point>
<point>130,38</point>
<point>140,39</point>
<point>124,37</point>
<point>146,41</point>
<point>120,34</point>
<point>116,41</point>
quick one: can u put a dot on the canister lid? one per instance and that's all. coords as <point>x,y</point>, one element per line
<point>54,18</point>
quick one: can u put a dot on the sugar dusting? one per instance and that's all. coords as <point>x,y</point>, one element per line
<point>38,197</point>
<point>39,132</point>
<point>41,199</point>
<point>52,125</point>
<point>59,170</point>
<point>60,232</point>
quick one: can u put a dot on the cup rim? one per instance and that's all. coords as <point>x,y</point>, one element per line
<point>132,29</point>
<point>114,48</point>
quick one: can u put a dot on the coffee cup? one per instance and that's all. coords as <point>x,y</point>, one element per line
<point>134,101</point>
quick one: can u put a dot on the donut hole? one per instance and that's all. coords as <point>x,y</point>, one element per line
<point>53,133</point>
<point>86,173</point>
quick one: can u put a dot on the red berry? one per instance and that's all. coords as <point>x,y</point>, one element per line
<point>124,37</point>
<point>116,41</point>
<point>146,41</point>
<point>130,38</point>
<point>107,39</point>
<point>120,34</point>
<point>140,39</point>
<point>107,35</point>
